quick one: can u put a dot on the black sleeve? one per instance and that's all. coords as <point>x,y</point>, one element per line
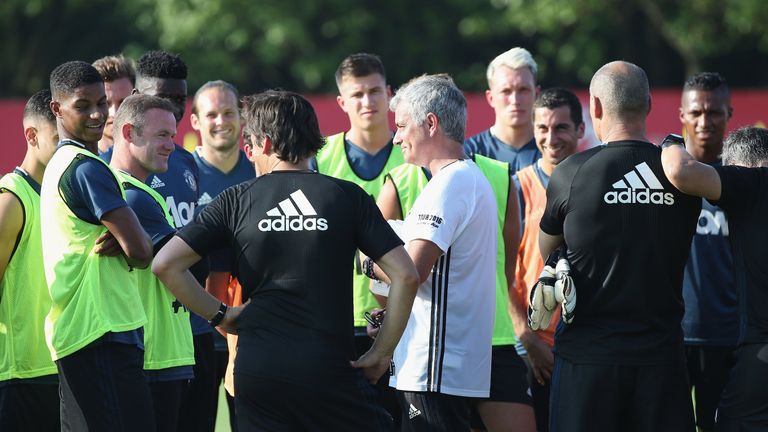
<point>558,193</point>
<point>374,235</point>
<point>212,228</point>
<point>741,187</point>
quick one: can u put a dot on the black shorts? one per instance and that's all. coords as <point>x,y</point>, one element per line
<point>29,405</point>
<point>267,404</point>
<point>708,369</point>
<point>744,403</point>
<point>103,388</point>
<point>434,412</point>
<point>200,397</point>
<point>509,381</point>
<point>587,397</point>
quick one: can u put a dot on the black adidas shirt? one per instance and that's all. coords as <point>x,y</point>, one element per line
<point>744,197</point>
<point>294,235</point>
<point>628,232</point>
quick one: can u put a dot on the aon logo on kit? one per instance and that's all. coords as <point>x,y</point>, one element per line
<point>712,223</point>
<point>294,213</point>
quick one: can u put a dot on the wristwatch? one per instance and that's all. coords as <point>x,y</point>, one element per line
<point>219,317</point>
<point>672,139</point>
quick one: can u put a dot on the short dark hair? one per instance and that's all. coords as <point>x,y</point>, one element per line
<point>219,84</point>
<point>706,81</point>
<point>114,67</point>
<point>360,65</point>
<point>134,108</point>
<point>39,105</point>
<point>71,75</point>
<point>746,146</point>
<point>556,97</point>
<point>161,64</point>
<point>287,119</point>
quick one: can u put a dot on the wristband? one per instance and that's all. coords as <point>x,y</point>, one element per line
<point>219,317</point>
<point>368,269</point>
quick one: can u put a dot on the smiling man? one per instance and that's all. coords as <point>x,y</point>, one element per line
<point>221,162</point>
<point>511,91</point>
<point>558,126</point>
<point>145,127</point>
<point>91,242</point>
<point>443,362</point>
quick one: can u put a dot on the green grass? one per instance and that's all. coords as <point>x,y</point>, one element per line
<point>222,414</point>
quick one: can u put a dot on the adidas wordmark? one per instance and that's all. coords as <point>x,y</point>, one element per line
<point>293,214</point>
<point>639,186</point>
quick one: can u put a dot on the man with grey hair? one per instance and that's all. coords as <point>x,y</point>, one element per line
<point>511,91</point>
<point>444,357</point>
<point>739,187</point>
<point>626,232</point>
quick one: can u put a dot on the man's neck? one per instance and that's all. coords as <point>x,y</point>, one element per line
<point>623,131</point>
<point>371,140</point>
<point>92,147</point>
<point>224,160</point>
<point>445,158</point>
<point>515,137</point>
<point>704,154</point>
<point>33,167</point>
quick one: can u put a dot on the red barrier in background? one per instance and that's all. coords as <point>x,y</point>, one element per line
<point>749,109</point>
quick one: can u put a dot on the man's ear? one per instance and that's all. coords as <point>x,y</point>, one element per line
<point>194,121</point>
<point>125,132</point>
<point>56,108</point>
<point>30,135</point>
<point>340,101</point>
<point>597,107</point>
<point>433,124</point>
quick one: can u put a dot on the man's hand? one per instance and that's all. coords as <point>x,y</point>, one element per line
<point>539,355</point>
<point>230,321</point>
<point>107,245</point>
<point>373,365</point>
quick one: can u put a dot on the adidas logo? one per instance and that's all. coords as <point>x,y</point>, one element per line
<point>204,199</point>
<point>413,412</point>
<point>293,214</point>
<point>156,183</point>
<point>640,186</point>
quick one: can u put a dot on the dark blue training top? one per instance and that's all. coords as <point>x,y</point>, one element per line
<point>486,144</point>
<point>213,182</point>
<point>179,187</point>
<point>364,164</point>
<point>153,221</point>
<point>709,290</point>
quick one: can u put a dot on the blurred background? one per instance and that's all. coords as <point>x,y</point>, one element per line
<point>297,45</point>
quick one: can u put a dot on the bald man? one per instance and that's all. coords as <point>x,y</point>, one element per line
<point>620,365</point>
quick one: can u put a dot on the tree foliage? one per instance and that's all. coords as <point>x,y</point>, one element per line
<point>297,44</point>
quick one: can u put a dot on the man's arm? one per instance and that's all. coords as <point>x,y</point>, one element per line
<point>171,266</point>
<point>548,243</point>
<point>11,223</point>
<point>400,270</point>
<point>388,202</point>
<point>134,241</point>
<point>689,175</point>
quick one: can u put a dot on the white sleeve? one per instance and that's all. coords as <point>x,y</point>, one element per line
<point>440,212</point>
